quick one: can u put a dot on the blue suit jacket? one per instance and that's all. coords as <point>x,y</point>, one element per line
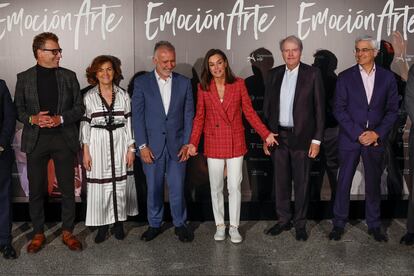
<point>151,125</point>
<point>352,110</point>
<point>7,116</point>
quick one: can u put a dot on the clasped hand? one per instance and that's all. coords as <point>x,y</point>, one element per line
<point>368,138</point>
<point>44,120</point>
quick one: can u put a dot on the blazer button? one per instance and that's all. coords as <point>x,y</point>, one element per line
<point>217,125</point>
<point>163,133</point>
<point>369,109</point>
<point>166,119</point>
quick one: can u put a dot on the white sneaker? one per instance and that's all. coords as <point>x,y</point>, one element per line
<point>220,233</point>
<point>235,236</point>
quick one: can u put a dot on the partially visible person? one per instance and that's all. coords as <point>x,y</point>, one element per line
<point>394,146</point>
<point>49,104</point>
<point>408,238</point>
<point>294,108</point>
<point>7,126</point>
<point>327,63</point>
<point>366,108</point>
<point>259,169</point>
<point>163,110</point>
<point>108,150</point>
<point>221,100</point>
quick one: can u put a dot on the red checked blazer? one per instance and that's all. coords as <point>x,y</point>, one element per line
<point>222,123</point>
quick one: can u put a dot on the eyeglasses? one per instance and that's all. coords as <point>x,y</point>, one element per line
<point>363,50</point>
<point>54,51</point>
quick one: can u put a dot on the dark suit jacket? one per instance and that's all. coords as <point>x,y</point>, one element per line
<point>7,116</point>
<point>70,106</point>
<point>308,105</point>
<point>151,125</point>
<point>352,110</point>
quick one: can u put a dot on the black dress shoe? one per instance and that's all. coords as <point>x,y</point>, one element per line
<point>301,234</point>
<point>407,239</point>
<point>118,230</point>
<point>151,233</point>
<point>102,232</point>
<point>336,233</point>
<point>279,228</point>
<point>377,234</point>
<point>184,234</point>
<point>8,251</point>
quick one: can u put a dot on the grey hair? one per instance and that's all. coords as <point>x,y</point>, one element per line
<point>291,38</point>
<point>374,43</point>
<point>164,44</point>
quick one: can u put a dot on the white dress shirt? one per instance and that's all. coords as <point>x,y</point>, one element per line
<point>165,90</point>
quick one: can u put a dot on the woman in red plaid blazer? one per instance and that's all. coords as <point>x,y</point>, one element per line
<point>221,99</point>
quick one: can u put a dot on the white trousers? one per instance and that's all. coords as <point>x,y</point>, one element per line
<point>234,179</point>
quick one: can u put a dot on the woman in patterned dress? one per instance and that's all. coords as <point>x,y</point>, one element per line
<point>108,150</point>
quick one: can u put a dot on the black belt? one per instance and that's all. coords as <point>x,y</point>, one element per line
<point>109,127</point>
<point>288,129</point>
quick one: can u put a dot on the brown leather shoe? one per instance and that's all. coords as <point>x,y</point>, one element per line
<point>71,241</point>
<point>36,243</point>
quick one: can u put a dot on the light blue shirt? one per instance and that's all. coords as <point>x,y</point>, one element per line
<point>287,95</point>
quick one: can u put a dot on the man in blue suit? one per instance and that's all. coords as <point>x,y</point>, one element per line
<point>366,107</point>
<point>162,113</point>
<point>7,125</point>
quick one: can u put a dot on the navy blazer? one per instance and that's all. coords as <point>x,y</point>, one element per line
<point>7,116</point>
<point>151,125</point>
<point>353,112</point>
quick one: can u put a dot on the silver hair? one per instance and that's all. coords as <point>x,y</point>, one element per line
<point>374,43</point>
<point>293,39</point>
<point>164,44</point>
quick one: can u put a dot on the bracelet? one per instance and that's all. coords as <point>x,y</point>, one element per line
<point>30,120</point>
<point>132,150</point>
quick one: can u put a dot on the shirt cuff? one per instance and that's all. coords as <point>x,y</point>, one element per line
<point>316,142</point>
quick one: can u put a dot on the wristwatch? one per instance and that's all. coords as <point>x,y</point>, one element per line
<point>1,150</point>
<point>143,146</point>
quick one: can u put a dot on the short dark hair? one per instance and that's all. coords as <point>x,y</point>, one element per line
<point>206,76</point>
<point>291,38</point>
<point>40,40</point>
<point>164,44</point>
<point>96,63</point>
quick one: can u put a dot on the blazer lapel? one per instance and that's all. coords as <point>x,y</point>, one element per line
<point>301,80</point>
<point>377,83</point>
<point>229,95</point>
<point>173,97</point>
<point>216,101</point>
<point>32,83</point>
<point>360,84</point>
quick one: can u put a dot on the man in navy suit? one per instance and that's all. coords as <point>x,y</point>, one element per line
<point>366,107</point>
<point>7,125</point>
<point>162,113</point>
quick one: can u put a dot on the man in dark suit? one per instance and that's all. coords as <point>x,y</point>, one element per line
<point>294,108</point>
<point>162,115</point>
<point>408,238</point>
<point>7,125</point>
<point>49,104</point>
<point>366,107</point>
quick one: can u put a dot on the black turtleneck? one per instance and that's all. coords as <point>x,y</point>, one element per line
<point>47,89</point>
